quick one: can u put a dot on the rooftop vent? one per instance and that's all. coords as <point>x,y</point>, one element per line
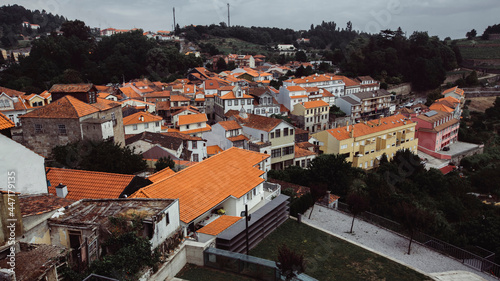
<point>61,190</point>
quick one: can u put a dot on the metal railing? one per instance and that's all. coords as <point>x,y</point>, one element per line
<point>482,260</point>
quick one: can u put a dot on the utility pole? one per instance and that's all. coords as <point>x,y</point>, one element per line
<point>228,18</point>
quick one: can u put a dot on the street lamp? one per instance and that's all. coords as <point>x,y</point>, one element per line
<point>247,219</point>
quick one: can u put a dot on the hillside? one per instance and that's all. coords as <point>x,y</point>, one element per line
<point>12,29</point>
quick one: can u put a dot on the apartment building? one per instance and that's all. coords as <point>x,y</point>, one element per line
<point>311,116</point>
<point>366,105</point>
<point>364,143</point>
<point>436,130</point>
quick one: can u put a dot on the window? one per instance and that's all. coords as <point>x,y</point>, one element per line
<point>277,133</point>
<point>134,127</point>
<point>62,129</point>
<point>157,124</point>
<point>308,162</point>
<point>255,192</point>
<point>195,157</point>
<point>285,132</point>
<point>272,135</point>
<point>344,146</point>
<point>229,102</point>
<point>257,111</point>
<point>249,101</point>
<point>287,150</point>
<point>38,128</point>
<point>303,163</point>
<point>113,118</point>
<point>235,102</point>
<point>194,144</point>
<point>291,132</point>
<point>276,153</point>
<point>187,127</point>
<point>249,196</point>
<point>146,125</point>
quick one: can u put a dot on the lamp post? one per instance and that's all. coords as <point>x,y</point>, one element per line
<point>247,219</point>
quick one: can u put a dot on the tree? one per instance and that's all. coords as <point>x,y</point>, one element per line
<point>413,219</point>
<point>221,64</point>
<point>334,171</point>
<point>301,56</point>
<point>471,34</point>
<point>357,199</point>
<point>76,28</point>
<point>290,262</point>
<point>163,163</point>
<point>103,156</point>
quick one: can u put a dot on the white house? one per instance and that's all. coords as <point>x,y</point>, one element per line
<point>21,170</point>
<point>142,122</point>
<point>193,124</point>
<point>232,98</point>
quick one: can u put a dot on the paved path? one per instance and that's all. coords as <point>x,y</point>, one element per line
<point>386,243</point>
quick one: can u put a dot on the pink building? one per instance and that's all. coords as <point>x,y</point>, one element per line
<point>435,130</point>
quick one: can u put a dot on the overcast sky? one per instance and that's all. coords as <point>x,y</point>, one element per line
<point>439,17</point>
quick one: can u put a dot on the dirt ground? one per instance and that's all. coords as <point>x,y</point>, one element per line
<point>481,103</point>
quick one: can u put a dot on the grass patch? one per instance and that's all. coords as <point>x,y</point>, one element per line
<point>481,53</point>
<point>236,46</point>
<point>195,273</point>
<point>330,258</point>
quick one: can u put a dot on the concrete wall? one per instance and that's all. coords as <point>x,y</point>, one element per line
<point>36,229</point>
<point>164,230</point>
<point>27,166</point>
<point>401,89</point>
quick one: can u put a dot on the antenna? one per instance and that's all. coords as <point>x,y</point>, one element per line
<point>228,18</point>
<point>174,19</point>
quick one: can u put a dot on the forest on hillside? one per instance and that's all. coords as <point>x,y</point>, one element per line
<point>12,17</point>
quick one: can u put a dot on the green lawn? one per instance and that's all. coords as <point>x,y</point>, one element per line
<point>236,46</point>
<point>330,258</point>
<point>196,273</point>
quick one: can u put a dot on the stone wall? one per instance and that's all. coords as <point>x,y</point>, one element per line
<point>401,89</point>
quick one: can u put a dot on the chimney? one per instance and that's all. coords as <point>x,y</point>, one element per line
<point>379,121</point>
<point>61,190</point>
<point>347,125</point>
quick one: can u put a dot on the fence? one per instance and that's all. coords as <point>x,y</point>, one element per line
<point>482,260</point>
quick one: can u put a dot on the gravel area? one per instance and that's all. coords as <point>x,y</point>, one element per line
<point>385,242</point>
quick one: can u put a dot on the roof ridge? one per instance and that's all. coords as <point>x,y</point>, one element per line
<point>87,171</point>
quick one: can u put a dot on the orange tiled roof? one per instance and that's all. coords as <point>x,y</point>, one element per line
<point>201,188</point>
<point>295,88</point>
<point>213,149</point>
<point>71,88</point>
<point>314,104</point>
<point>65,107</point>
<point>10,92</point>
<point>256,121</point>
<point>141,117</point>
<point>455,90</point>
<point>237,138</point>
<point>230,125</point>
<point>218,225</point>
<point>88,184</point>
<point>301,152</point>
<point>440,107</point>
<point>5,122</point>
<point>130,93</point>
<point>39,204</point>
<point>231,95</point>
<point>362,129</point>
<point>197,130</point>
<point>178,98</point>
<point>299,97</point>
<point>160,175</point>
<point>192,118</point>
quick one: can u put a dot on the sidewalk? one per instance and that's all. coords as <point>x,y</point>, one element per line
<point>388,244</point>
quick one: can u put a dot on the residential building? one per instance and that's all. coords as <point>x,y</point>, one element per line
<point>86,93</point>
<point>313,116</point>
<point>368,84</point>
<point>303,157</point>
<point>83,226</point>
<point>364,143</point>
<point>286,49</point>
<point>226,182</point>
<point>436,130</point>
<point>140,105</point>
<point>174,144</point>
<point>193,124</point>
<point>264,103</point>
<point>448,104</point>
<point>241,60</point>
<point>142,122</point>
<point>69,120</point>
<point>333,84</point>
<point>80,184</point>
<point>366,105</point>
<point>456,93</point>
<point>22,167</point>
<point>289,96</point>
<point>226,134</point>
<point>232,98</point>
<point>277,132</point>
<point>13,107</point>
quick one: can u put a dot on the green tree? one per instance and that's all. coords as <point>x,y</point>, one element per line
<point>103,156</point>
<point>301,56</point>
<point>163,163</point>
<point>334,171</point>
<point>413,219</point>
<point>471,34</point>
<point>357,199</point>
<point>290,262</point>
<point>76,28</point>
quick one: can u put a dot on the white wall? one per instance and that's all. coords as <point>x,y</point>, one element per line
<point>152,127</point>
<point>24,165</point>
<point>164,230</point>
<point>107,129</point>
<point>217,137</point>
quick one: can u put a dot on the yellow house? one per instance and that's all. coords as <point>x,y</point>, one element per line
<point>312,115</point>
<point>364,143</point>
